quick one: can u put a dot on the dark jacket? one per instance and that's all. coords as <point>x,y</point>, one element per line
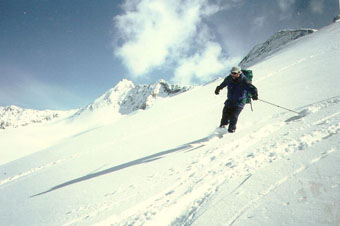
<point>237,90</point>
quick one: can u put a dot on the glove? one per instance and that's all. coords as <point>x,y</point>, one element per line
<point>217,90</point>
<point>255,97</point>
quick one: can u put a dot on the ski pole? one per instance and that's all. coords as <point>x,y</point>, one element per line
<point>279,106</point>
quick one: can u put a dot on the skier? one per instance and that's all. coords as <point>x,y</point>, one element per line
<point>238,87</point>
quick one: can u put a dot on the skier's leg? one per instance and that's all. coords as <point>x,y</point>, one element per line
<point>233,118</point>
<point>225,116</point>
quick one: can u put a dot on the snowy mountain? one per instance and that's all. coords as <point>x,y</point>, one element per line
<point>168,165</point>
<point>14,117</point>
<point>126,98</point>
<point>122,99</point>
<point>274,43</point>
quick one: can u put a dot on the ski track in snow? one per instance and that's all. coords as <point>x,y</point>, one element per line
<point>37,169</point>
<point>272,187</point>
<point>216,161</point>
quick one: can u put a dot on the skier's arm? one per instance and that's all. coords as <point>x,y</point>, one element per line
<point>254,93</point>
<point>252,89</point>
<point>221,86</point>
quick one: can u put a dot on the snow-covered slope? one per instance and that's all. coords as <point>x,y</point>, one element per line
<point>166,166</point>
<point>13,116</point>
<point>274,43</point>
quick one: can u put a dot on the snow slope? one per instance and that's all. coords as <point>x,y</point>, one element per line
<point>166,165</point>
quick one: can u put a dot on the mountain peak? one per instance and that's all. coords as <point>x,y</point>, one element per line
<point>123,84</point>
<point>125,97</point>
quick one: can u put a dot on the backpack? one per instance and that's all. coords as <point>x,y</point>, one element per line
<point>249,76</point>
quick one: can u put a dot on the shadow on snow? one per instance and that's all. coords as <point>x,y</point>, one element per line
<point>188,147</point>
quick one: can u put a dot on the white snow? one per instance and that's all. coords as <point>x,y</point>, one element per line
<point>165,165</point>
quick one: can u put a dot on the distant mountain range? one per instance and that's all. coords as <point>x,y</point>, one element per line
<point>13,116</point>
<point>122,99</point>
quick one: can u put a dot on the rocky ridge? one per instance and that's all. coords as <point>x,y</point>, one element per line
<point>273,44</point>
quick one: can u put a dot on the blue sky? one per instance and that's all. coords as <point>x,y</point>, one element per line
<point>63,54</point>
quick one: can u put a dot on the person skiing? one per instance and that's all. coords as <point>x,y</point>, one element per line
<point>238,87</point>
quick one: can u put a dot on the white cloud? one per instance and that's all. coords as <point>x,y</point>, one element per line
<point>203,67</point>
<point>154,33</point>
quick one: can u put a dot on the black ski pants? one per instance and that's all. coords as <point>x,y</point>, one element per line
<point>230,116</point>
